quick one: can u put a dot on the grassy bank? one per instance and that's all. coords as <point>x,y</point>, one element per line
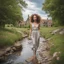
<point>45,31</point>
<point>9,35</point>
<point>57,40</point>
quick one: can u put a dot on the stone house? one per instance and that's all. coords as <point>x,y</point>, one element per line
<point>46,22</point>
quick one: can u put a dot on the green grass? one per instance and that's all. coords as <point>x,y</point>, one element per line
<point>24,30</point>
<point>9,35</point>
<point>57,40</point>
<point>45,31</point>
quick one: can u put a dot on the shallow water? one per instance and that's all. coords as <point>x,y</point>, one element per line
<point>23,55</point>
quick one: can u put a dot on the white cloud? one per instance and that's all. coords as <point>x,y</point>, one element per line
<point>31,9</point>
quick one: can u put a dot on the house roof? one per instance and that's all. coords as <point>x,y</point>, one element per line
<point>46,20</point>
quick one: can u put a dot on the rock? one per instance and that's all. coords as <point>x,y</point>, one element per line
<point>50,59</point>
<point>40,54</point>
<point>56,31</point>
<point>18,46</point>
<point>56,54</point>
<point>25,36</point>
<point>46,58</point>
<point>7,54</point>
<point>47,48</point>
<point>58,58</point>
<point>2,53</point>
<point>61,32</point>
<point>8,49</point>
<point>14,48</point>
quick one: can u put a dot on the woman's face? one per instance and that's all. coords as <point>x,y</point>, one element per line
<point>34,17</point>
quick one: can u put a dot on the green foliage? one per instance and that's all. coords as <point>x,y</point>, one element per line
<point>10,11</point>
<point>55,9</point>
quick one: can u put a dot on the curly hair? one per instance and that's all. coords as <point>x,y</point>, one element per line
<point>38,18</point>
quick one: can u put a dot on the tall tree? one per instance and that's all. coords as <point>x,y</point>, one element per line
<point>11,11</point>
<point>55,9</point>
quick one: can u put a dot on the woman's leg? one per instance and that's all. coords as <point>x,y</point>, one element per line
<point>38,41</point>
<point>34,42</point>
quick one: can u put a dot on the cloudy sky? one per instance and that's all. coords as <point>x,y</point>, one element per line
<point>34,6</point>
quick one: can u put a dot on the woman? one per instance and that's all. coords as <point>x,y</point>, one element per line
<point>35,31</point>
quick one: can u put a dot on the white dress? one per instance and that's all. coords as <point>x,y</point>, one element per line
<point>35,37</point>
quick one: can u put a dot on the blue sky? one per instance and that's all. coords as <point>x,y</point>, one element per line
<point>34,6</point>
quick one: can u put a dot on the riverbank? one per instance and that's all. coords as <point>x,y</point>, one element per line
<point>9,38</point>
<point>56,42</point>
<point>9,35</point>
<point>26,57</point>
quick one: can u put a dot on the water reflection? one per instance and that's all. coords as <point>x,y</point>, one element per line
<point>20,56</point>
<point>25,56</point>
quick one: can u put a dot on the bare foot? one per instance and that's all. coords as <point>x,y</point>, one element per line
<point>30,59</point>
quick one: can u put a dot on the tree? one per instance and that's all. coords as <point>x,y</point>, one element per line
<point>11,11</point>
<point>55,9</point>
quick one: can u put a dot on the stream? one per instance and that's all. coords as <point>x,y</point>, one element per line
<point>22,56</point>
